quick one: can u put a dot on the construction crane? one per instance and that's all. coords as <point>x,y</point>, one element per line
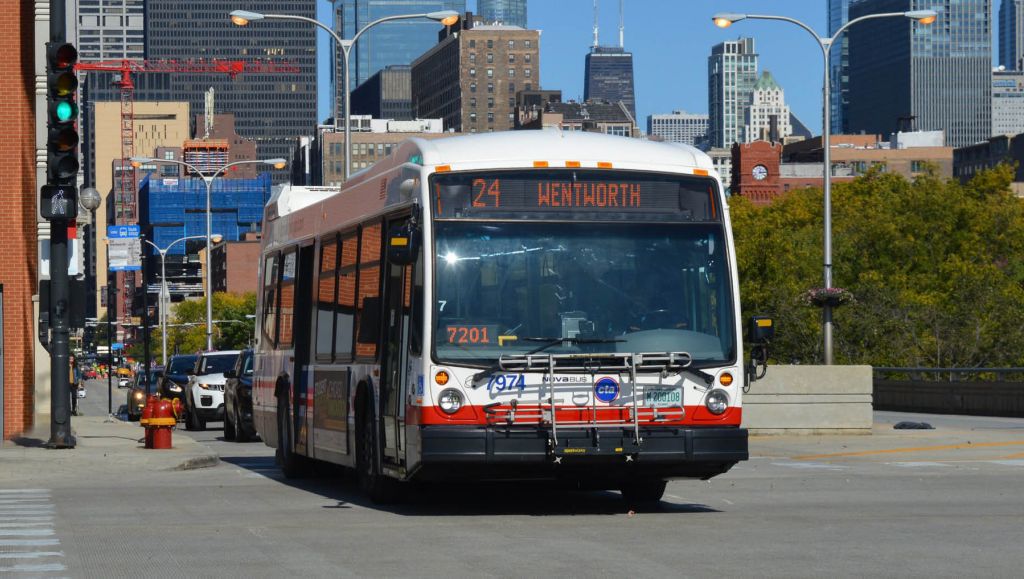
<point>126,68</point>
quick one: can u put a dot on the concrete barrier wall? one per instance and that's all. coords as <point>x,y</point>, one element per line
<point>810,400</point>
<point>974,398</point>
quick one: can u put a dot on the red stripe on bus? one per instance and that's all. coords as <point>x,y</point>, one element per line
<point>694,416</point>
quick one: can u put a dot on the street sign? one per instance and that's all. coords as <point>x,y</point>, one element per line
<point>124,254</point>
<point>123,231</point>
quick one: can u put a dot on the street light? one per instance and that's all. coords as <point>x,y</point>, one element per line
<point>244,17</point>
<point>165,296</point>
<point>727,19</point>
<point>90,200</point>
<point>208,180</point>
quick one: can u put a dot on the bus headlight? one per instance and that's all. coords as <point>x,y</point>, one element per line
<point>450,400</point>
<point>717,401</point>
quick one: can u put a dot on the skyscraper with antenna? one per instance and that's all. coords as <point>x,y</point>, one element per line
<point>609,69</point>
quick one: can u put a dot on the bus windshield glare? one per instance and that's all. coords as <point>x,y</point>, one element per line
<point>506,287</point>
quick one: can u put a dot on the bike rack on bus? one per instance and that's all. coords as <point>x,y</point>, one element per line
<point>664,363</point>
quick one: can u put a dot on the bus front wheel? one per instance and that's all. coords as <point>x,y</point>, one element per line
<point>644,492</point>
<point>375,485</point>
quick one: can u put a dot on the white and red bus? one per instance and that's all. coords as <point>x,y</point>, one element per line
<point>530,304</point>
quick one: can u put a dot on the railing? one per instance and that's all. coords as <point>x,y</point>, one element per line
<point>949,374</point>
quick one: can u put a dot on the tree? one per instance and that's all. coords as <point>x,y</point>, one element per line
<point>234,327</point>
<point>934,265</point>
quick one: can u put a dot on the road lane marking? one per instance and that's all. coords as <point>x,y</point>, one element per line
<point>31,554</point>
<point>911,449</point>
<point>34,568</point>
<point>1008,462</point>
<point>811,465</point>
<point>26,532</point>
<point>29,542</point>
<point>918,464</point>
<point>4,524</point>
<point>25,491</point>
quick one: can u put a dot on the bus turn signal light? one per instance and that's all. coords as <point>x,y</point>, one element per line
<point>725,379</point>
<point>441,378</point>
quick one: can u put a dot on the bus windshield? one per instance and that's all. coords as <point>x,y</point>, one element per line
<point>506,287</point>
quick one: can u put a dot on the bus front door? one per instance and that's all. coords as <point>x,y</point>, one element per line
<point>395,342</point>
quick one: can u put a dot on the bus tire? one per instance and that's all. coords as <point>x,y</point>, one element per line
<point>292,465</point>
<point>646,492</point>
<point>373,484</point>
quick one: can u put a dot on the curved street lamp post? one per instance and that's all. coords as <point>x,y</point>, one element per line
<point>244,17</point>
<point>726,19</point>
<point>208,181</point>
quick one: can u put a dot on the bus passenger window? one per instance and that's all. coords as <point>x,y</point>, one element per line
<point>369,287</point>
<point>346,306</point>
<point>286,318</point>
<point>325,299</point>
<point>270,301</point>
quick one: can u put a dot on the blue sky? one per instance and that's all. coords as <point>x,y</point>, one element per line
<point>670,41</point>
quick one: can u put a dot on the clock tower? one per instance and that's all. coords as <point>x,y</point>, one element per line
<point>755,171</point>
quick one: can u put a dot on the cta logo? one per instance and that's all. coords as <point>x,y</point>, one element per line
<point>606,389</point>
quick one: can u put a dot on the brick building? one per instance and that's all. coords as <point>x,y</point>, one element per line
<point>233,264</point>
<point>471,77</point>
<point>18,261</point>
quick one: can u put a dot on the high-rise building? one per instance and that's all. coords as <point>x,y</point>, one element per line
<point>385,95</point>
<point>678,127</point>
<point>273,109</point>
<point>1011,34</point>
<point>839,73</point>
<point>397,42</point>
<point>609,76</point>
<point>111,30</point>
<point>908,75</point>
<point>511,12</point>
<point>471,77</point>
<point>1007,102</point>
<point>732,73</point>
<point>767,117</point>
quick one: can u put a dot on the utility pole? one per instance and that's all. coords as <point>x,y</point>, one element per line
<point>58,203</point>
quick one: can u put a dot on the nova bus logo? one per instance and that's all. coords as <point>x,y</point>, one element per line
<point>606,389</point>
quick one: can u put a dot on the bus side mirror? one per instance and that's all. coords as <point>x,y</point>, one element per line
<point>403,244</point>
<point>762,329</point>
<point>761,333</point>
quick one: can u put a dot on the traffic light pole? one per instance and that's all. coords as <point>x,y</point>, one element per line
<point>60,369</point>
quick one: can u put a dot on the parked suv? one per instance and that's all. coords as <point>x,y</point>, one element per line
<point>175,379</point>
<point>204,395</point>
<point>238,425</point>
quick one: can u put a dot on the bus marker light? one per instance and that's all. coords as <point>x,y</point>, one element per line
<point>540,164</point>
<point>572,163</point>
<point>604,165</point>
<point>725,379</point>
<point>441,378</point>
<point>702,172</point>
<point>443,168</point>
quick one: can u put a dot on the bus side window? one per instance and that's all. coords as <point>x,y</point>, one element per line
<point>346,304</point>
<point>326,298</point>
<point>369,289</point>
<point>270,301</point>
<point>286,310</point>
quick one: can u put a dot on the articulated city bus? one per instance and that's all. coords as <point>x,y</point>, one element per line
<point>518,305</point>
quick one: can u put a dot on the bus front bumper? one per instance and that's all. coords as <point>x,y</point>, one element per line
<point>487,452</point>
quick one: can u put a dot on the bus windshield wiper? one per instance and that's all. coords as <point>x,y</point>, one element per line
<point>548,342</point>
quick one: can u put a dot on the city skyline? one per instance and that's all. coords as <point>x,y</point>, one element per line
<point>677,42</point>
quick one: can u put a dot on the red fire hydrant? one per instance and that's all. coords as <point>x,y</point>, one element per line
<point>161,423</point>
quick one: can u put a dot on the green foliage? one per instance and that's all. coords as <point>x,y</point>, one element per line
<point>935,266</point>
<point>232,330</point>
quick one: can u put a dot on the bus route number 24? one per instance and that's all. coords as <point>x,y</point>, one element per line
<point>486,193</point>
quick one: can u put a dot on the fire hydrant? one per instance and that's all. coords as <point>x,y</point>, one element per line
<point>161,423</point>
<point>147,416</point>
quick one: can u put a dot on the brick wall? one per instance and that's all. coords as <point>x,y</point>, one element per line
<point>18,260</point>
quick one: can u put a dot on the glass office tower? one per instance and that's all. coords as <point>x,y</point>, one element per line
<point>508,12</point>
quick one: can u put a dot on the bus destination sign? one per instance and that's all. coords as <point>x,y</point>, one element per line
<point>484,195</point>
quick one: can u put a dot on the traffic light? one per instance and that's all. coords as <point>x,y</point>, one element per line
<point>62,112</point>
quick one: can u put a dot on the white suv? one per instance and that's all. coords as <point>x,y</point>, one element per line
<point>204,396</point>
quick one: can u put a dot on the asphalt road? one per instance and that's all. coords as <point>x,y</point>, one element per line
<point>802,507</point>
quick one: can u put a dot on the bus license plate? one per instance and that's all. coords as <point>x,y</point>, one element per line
<point>660,398</point>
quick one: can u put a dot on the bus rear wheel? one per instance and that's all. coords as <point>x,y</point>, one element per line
<point>644,492</point>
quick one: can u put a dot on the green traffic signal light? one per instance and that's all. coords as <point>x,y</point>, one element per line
<point>65,111</point>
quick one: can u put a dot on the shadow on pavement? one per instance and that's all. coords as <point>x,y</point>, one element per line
<point>539,499</point>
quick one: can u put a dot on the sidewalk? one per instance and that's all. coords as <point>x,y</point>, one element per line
<point>103,444</point>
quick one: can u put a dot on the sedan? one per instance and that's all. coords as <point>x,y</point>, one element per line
<point>137,395</point>
<point>238,425</point>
